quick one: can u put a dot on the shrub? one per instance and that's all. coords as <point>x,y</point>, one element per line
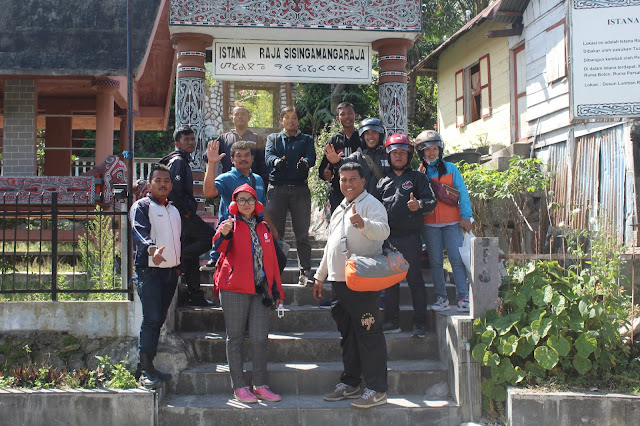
<point>557,323</point>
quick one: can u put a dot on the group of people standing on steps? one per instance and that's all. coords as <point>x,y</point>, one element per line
<point>375,197</point>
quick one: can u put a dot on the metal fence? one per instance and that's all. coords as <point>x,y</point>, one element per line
<point>62,252</point>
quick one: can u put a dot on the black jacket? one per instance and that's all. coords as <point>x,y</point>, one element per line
<point>394,192</point>
<point>181,194</point>
<point>379,158</point>
<point>340,142</point>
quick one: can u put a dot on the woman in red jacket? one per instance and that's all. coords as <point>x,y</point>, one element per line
<point>248,279</point>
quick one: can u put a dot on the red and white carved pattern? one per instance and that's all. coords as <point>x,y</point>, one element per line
<point>190,92</point>
<point>112,171</point>
<point>193,69</point>
<point>381,15</point>
<point>38,189</point>
<point>392,58</point>
<point>393,73</point>
<point>393,106</point>
<point>192,53</point>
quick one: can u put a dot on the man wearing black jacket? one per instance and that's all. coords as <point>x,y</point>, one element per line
<point>196,234</point>
<point>407,196</point>
<point>344,143</point>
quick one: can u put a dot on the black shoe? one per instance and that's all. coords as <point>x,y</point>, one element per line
<point>391,327</point>
<point>148,380</point>
<point>418,331</point>
<point>198,299</point>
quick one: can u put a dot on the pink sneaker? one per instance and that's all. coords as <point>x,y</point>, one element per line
<point>244,395</point>
<point>263,392</point>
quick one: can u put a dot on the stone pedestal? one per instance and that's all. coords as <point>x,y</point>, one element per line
<point>485,276</point>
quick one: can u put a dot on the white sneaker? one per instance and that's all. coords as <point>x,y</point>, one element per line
<point>463,304</point>
<point>441,304</point>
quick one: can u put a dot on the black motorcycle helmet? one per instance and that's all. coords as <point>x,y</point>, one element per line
<point>429,138</point>
<point>371,124</point>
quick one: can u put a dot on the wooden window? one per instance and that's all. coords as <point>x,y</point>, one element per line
<point>473,92</point>
<point>460,98</point>
<point>485,86</point>
<point>556,58</point>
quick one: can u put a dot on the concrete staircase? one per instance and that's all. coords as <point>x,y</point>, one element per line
<point>304,363</point>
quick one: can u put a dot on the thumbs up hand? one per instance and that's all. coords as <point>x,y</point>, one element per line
<point>157,256</point>
<point>413,204</point>
<point>356,219</point>
<point>227,226</point>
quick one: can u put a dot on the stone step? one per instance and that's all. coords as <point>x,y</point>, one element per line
<point>316,253</point>
<point>297,295</point>
<point>315,378</point>
<point>296,319</point>
<point>309,346</point>
<point>306,410</point>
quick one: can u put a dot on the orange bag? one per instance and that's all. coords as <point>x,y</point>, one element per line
<point>375,273</point>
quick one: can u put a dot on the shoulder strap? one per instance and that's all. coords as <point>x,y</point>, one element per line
<point>253,181</point>
<point>374,168</point>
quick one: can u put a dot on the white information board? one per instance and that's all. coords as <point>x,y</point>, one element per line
<point>605,59</point>
<point>279,61</point>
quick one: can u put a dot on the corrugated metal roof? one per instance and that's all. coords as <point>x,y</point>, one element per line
<point>504,11</point>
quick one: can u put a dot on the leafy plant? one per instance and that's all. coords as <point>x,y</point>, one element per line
<point>113,375</point>
<point>514,186</point>
<point>556,324</point>
<point>320,188</point>
<point>99,251</point>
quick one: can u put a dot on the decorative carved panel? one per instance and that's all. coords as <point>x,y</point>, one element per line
<point>393,106</point>
<point>189,112</point>
<point>379,15</point>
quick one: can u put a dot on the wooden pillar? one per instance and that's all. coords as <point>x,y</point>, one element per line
<point>123,144</point>
<point>104,117</point>
<point>392,86</point>
<point>57,153</point>
<point>190,87</point>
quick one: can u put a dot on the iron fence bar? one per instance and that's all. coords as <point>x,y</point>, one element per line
<point>54,246</point>
<point>15,232</point>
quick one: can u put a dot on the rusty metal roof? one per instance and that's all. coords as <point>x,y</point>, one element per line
<point>502,11</point>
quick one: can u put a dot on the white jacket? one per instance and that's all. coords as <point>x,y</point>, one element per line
<point>365,241</point>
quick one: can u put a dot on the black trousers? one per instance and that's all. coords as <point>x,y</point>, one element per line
<point>196,240</point>
<point>364,349</point>
<point>411,248</point>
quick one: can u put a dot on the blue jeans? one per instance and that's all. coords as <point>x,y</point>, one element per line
<point>450,237</point>
<point>411,248</point>
<point>156,287</point>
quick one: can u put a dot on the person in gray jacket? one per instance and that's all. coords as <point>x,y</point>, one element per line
<point>358,225</point>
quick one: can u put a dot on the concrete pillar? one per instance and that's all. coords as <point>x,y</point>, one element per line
<point>392,86</point>
<point>485,276</point>
<point>190,87</point>
<point>57,162</point>
<point>104,117</point>
<point>19,151</point>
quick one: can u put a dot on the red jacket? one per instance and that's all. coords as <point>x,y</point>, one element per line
<point>234,270</point>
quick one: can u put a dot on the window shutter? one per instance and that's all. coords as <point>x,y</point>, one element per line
<point>485,87</point>
<point>459,77</point>
<point>556,58</point>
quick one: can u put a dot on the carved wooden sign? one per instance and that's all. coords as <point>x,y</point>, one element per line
<point>285,61</point>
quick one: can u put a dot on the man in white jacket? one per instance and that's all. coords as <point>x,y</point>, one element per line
<point>156,227</point>
<point>358,225</point>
